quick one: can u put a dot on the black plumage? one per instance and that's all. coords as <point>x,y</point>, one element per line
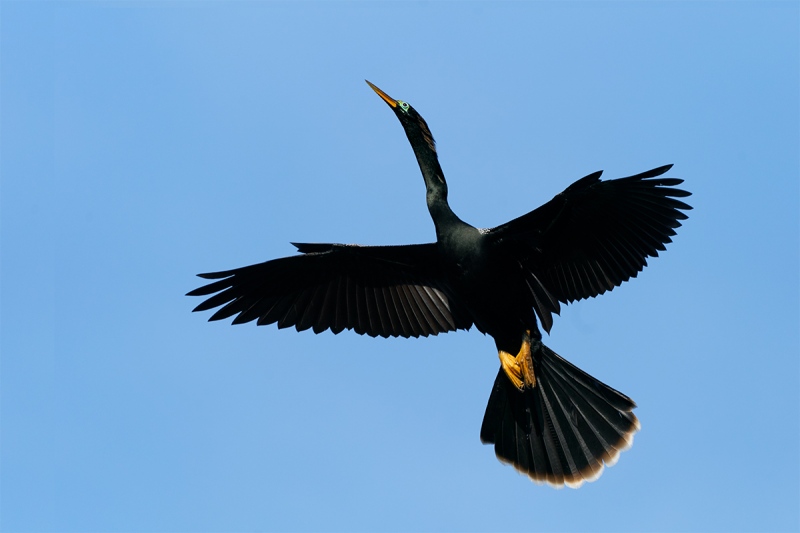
<point>545,416</point>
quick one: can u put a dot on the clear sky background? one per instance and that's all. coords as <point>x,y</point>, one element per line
<point>144,142</point>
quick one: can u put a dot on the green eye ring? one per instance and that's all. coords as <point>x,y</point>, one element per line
<point>403,105</point>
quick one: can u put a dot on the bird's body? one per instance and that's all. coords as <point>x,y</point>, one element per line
<point>548,418</point>
<point>489,286</point>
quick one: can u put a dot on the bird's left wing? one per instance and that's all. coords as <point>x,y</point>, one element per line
<point>374,290</point>
<point>593,236</point>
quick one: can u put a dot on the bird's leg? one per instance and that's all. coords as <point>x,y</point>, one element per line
<point>519,368</point>
<point>526,361</point>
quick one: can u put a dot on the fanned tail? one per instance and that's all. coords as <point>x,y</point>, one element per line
<point>565,429</point>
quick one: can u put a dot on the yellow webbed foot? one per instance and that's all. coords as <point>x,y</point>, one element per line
<point>519,368</point>
<point>512,369</point>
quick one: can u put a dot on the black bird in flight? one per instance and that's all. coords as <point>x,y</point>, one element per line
<point>545,416</point>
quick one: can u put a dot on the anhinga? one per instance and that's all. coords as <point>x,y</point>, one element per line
<point>546,417</point>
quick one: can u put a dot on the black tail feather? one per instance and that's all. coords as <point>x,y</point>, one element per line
<point>565,429</point>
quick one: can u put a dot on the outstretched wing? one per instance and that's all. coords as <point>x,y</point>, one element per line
<point>374,290</point>
<point>596,234</point>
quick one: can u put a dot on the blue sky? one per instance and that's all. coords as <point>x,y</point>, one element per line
<point>144,142</point>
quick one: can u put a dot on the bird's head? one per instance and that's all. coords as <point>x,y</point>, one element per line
<point>414,125</point>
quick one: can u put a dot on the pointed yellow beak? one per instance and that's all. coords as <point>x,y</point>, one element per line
<point>386,98</point>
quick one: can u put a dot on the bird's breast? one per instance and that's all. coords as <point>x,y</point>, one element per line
<point>490,286</point>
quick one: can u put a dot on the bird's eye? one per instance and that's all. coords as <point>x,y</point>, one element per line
<point>404,106</point>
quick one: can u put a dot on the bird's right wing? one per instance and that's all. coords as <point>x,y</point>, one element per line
<point>374,290</point>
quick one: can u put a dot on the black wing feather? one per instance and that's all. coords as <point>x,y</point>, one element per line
<point>396,291</point>
<point>596,234</point>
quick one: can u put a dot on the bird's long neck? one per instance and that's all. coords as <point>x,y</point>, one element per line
<point>436,187</point>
